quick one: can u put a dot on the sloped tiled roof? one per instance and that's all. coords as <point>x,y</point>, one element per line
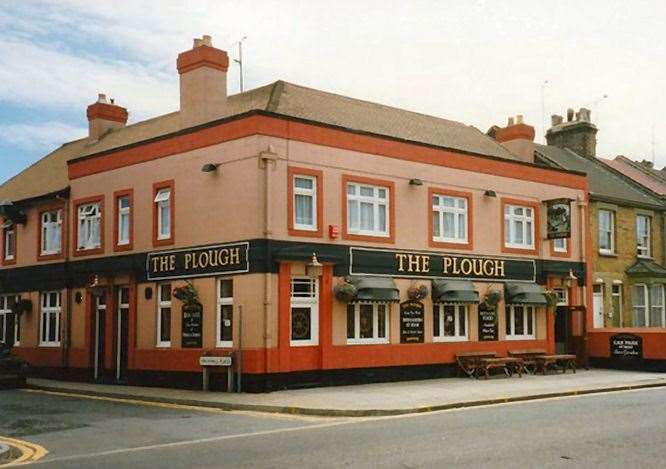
<point>50,173</point>
<point>650,178</point>
<point>604,182</point>
<point>645,268</point>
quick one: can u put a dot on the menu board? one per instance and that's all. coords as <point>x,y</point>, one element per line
<point>626,346</point>
<point>487,322</point>
<point>191,330</point>
<point>412,315</point>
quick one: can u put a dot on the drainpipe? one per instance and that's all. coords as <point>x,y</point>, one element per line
<point>267,162</point>
<point>68,284</point>
<point>663,239</point>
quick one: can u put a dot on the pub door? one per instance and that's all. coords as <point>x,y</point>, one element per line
<point>562,329</point>
<point>122,330</point>
<point>98,336</point>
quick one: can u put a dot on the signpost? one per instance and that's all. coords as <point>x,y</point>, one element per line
<point>207,362</point>
<point>412,314</point>
<point>487,322</point>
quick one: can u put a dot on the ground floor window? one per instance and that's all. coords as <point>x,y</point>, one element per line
<point>648,305</point>
<point>449,322</point>
<point>367,323</point>
<point>10,329</point>
<point>616,293</point>
<point>225,312</point>
<point>520,320</point>
<point>164,315</point>
<point>50,318</point>
<point>304,311</point>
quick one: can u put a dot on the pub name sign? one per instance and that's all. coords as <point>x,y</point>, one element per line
<point>198,262</point>
<point>417,264</point>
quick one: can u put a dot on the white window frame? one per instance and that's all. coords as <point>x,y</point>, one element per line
<point>46,227</point>
<point>9,242</point>
<point>511,217</point>
<point>5,310</point>
<point>223,301</point>
<point>662,307</point>
<point>645,306</point>
<point>456,322</point>
<point>160,305</point>
<point>124,213</point>
<point>309,301</point>
<point>312,194</point>
<point>643,250</point>
<point>49,310</point>
<point>562,296</point>
<point>557,247</point>
<point>357,340</point>
<point>163,201</point>
<point>528,309</point>
<point>460,217</point>
<point>354,226</point>
<point>611,231</point>
<point>86,222</point>
<point>619,294</point>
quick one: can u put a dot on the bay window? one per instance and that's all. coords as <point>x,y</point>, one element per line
<point>639,305</point>
<point>518,227</point>
<point>51,310</point>
<point>164,315</point>
<point>367,209</point>
<point>305,202</point>
<point>368,323</point>
<point>51,232</point>
<point>606,231</point>
<point>520,322</point>
<point>643,235</point>
<point>657,318</point>
<point>89,226</point>
<point>304,311</point>
<point>449,323</point>
<point>449,219</point>
<point>225,312</point>
<point>647,305</point>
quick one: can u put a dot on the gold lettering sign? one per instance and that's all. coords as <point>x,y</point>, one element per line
<point>413,263</point>
<point>451,266</point>
<point>198,262</point>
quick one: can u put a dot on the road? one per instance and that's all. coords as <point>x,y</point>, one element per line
<point>625,429</point>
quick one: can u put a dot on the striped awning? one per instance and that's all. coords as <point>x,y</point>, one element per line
<point>454,291</point>
<point>379,289</point>
<point>524,294</point>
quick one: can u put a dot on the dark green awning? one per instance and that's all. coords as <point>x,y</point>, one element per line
<point>524,294</point>
<point>454,291</point>
<point>381,289</point>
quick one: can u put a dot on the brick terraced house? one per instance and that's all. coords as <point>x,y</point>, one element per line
<point>314,237</point>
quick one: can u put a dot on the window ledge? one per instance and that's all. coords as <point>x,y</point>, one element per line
<point>366,342</point>
<point>49,344</point>
<point>224,344</point>
<point>607,254</point>
<point>164,345</point>
<point>450,339</point>
<point>521,337</point>
<point>304,343</point>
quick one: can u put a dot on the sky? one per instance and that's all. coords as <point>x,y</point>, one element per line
<point>476,62</point>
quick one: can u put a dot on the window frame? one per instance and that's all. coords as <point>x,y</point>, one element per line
<point>220,302</point>
<point>158,239</point>
<point>511,310</point>
<point>652,305</point>
<point>512,247</point>
<point>119,246</point>
<point>357,235</point>
<point>645,306</point>
<point>98,199</point>
<point>5,310</point>
<point>452,243</point>
<point>309,302</point>
<point>44,310</point>
<point>4,258</point>
<point>647,254</point>
<point>375,340</point>
<point>42,254</point>
<point>161,305</point>
<point>439,324</point>
<point>604,251</point>
<point>563,298</point>
<point>294,229</point>
<point>620,295</point>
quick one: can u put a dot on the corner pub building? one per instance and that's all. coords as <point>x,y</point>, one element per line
<point>129,254</point>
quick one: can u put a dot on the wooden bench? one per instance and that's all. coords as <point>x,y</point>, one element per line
<point>563,361</point>
<point>469,362</point>
<point>529,357</point>
<point>509,365</point>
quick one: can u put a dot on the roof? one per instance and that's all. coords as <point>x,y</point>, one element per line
<point>646,268</point>
<point>50,173</point>
<point>604,182</point>
<point>647,177</point>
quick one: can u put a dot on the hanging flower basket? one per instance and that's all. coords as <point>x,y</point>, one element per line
<point>551,298</point>
<point>345,291</point>
<point>417,292</point>
<point>187,294</point>
<point>492,298</point>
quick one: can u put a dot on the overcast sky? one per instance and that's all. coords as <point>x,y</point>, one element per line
<point>475,62</point>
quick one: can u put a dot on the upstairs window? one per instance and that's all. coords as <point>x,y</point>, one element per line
<point>560,245</point>
<point>124,214</point>
<point>606,231</point>
<point>9,243</point>
<point>90,230</point>
<point>305,202</point>
<point>367,209</point>
<point>449,219</point>
<point>518,227</point>
<point>163,207</point>
<point>51,232</point>
<point>643,235</point>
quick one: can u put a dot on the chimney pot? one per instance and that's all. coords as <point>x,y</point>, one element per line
<point>510,123</point>
<point>570,114</point>
<point>556,119</point>
<point>519,119</point>
<point>101,98</point>
<point>104,116</point>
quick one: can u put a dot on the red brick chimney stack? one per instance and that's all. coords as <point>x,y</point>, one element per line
<point>104,116</point>
<point>515,130</point>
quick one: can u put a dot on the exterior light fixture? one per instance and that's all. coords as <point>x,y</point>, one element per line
<point>569,279</point>
<point>490,193</point>
<point>209,167</point>
<point>415,182</point>
<point>314,268</point>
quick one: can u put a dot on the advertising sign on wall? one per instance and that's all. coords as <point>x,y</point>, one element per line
<point>412,316</point>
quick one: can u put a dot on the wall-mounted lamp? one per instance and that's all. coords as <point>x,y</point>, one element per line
<point>490,193</point>
<point>314,268</point>
<point>415,182</point>
<point>209,167</point>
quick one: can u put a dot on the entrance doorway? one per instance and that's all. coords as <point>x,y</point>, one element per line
<point>122,331</point>
<point>98,336</point>
<point>598,304</point>
<point>562,321</point>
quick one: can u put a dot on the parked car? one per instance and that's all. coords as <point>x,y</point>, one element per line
<point>12,369</point>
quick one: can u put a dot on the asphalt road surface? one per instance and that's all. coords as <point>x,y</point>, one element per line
<point>626,429</point>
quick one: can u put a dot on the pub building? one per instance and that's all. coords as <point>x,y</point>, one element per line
<point>314,238</point>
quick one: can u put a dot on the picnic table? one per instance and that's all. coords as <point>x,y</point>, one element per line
<point>476,364</point>
<point>562,361</point>
<point>529,357</point>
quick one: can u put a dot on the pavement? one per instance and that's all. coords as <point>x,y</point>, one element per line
<point>382,399</point>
